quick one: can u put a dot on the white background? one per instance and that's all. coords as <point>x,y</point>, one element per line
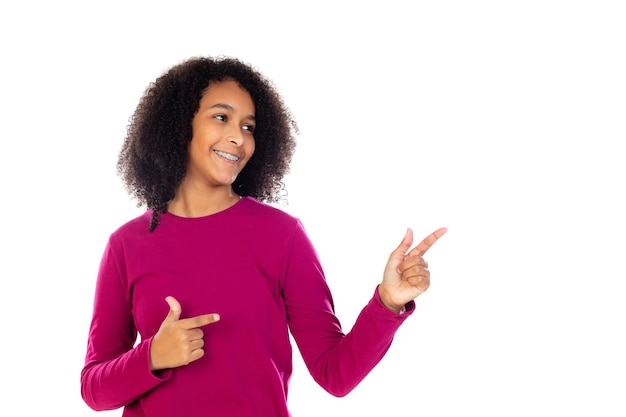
<point>502,120</point>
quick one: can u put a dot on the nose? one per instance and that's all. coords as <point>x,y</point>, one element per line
<point>235,139</point>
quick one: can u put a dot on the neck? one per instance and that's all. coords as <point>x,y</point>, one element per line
<point>191,203</point>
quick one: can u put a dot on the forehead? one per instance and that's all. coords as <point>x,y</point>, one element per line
<point>227,91</point>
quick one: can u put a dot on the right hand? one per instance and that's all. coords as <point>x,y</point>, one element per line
<point>178,342</point>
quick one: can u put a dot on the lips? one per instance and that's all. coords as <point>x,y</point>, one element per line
<point>228,156</point>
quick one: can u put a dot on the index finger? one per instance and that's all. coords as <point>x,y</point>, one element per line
<point>198,321</point>
<point>425,244</point>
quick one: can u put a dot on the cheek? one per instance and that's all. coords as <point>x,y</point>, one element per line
<point>251,149</point>
<point>193,150</point>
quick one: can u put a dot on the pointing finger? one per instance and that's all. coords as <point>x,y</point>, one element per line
<point>199,321</point>
<point>425,244</point>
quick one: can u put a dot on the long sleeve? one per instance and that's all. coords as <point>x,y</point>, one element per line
<point>338,362</point>
<point>116,372</point>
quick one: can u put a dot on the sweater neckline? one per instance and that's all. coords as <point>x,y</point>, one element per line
<point>208,216</point>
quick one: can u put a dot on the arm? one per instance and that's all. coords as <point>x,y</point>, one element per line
<point>116,372</point>
<point>338,362</point>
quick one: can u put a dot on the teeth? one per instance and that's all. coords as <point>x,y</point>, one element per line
<point>227,156</point>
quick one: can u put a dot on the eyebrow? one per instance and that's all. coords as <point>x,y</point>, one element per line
<point>231,109</point>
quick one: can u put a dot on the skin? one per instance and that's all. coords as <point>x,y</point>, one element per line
<point>178,342</point>
<point>224,124</point>
<point>406,275</point>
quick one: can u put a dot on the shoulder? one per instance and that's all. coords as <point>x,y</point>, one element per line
<point>259,208</point>
<point>270,219</point>
<point>134,227</point>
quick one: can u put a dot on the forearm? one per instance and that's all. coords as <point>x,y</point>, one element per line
<point>346,361</point>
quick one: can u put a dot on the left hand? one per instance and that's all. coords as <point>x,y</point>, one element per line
<point>406,275</point>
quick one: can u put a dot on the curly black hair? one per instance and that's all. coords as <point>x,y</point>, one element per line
<point>153,160</point>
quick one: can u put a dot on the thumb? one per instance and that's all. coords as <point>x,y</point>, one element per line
<point>175,309</point>
<point>404,246</point>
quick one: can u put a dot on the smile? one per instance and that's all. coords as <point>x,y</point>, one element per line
<point>228,156</point>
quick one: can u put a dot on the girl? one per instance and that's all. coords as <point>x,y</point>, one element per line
<point>196,297</point>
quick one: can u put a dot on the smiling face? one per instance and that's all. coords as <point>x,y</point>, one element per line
<point>223,136</point>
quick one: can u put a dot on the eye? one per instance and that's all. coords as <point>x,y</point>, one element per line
<point>220,117</point>
<point>249,128</point>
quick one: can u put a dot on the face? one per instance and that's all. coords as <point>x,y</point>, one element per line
<point>223,136</point>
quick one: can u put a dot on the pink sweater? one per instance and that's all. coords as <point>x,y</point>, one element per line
<point>254,265</point>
